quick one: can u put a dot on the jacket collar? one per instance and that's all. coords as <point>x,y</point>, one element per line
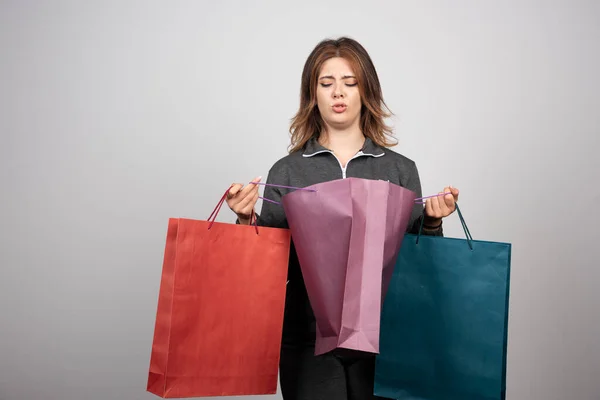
<point>313,147</point>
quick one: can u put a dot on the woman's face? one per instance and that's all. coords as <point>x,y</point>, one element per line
<point>338,98</point>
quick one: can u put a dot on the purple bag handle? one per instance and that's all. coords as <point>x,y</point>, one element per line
<point>419,200</point>
<point>281,186</point>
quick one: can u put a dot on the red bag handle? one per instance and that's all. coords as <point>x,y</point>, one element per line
<point>213,215</point>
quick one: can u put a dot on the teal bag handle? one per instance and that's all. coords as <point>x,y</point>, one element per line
<point>462,222</point>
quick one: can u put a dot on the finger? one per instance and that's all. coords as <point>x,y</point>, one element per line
<point>248,201</point>
<point>251,187</point>
<point>429,208</point>
<point>435,206</point>
<point>247,210</point>
<point>447,205</point>
<point>235,188</point>
<point>455,192</point>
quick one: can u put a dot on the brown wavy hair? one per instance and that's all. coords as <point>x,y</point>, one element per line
<point>307,122</point>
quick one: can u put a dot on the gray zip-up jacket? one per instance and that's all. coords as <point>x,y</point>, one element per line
<point>316,164</point>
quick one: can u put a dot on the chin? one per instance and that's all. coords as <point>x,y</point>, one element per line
<point>338,121</point>
<point>342,119</point>
<point>341,125</point>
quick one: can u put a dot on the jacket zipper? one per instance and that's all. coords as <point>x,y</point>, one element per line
<point>357,155</point>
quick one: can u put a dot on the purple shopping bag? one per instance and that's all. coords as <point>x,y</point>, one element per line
<point>347,235</point>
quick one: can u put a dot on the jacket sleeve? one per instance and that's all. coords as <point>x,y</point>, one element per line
<point>413,182</point>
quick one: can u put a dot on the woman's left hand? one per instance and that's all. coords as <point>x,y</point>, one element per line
<point>440,207</point>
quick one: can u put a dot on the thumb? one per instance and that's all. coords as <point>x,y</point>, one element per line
<point>233,190</point>
<point>455,192</point>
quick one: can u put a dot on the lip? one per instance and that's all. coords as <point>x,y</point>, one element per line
<point>339,107</point>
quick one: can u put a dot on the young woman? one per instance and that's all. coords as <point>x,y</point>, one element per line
<point>338,132</point>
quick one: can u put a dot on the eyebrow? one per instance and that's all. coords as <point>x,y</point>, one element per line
<point>343,77</point>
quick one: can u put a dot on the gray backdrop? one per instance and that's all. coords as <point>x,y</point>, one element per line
<point>117,115</point>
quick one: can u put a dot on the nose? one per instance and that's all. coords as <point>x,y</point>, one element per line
<point>337,92</point>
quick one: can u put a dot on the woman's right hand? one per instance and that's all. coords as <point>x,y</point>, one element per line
<point>241,200</point>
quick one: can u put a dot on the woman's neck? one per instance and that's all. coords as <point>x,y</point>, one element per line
<point>344,143</point>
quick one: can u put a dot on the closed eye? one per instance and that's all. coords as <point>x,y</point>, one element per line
<point>347,84</point>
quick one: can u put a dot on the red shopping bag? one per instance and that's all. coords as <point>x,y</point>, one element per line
<point>220,309</point>
<point>347,234</point>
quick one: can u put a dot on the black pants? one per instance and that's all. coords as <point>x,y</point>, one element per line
<point>331,376</point>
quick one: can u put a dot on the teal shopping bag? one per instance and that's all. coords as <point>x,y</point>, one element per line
<point>444,320</point>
